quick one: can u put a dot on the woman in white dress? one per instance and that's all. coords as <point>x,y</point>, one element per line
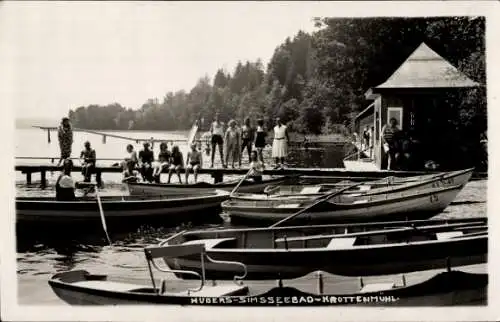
<point>280,143</point>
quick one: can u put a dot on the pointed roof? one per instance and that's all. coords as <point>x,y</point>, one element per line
<point>427,69</point>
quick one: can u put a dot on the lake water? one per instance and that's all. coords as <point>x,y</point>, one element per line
<point>38,259</point>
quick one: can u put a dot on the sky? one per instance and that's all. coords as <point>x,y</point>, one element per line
<point>64,55</point>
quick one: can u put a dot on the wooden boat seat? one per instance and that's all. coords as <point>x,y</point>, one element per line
<point>308,190</point>
<point>449,234</point>
<point>376,287</point>
<point>208,243</point>
<point>213,291</point>
<point>341,243</point>
<point>108,286</point>
<point>360,201</point>
<point>289,205</point>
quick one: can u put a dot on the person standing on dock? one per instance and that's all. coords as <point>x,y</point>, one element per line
<point>217,132</point>
<point>88,159</point>
<point>176,163</point>
<point>233,140</point>
<point>390,133</point>
<point>280,143</point>
<point>146,159</point>
<point>65,136</point>
<point>163,162</point>
<point>65,185</point>
<point>194,162</point>
<point>247,138</point>
<point>260,139</point>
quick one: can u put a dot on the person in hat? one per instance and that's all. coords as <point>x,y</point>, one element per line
<point>280,143</point>
<point>146,159</point>
<point>88,159</point>
<point>65,136</point>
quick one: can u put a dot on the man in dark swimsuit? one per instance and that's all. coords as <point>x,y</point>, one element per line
<point>146,159</point>
<point>88,157</point>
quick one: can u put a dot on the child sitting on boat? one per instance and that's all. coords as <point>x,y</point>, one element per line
<point>256,168</point>
<point>194,161</point>
<point>162,163</point>
<point>176,163</point>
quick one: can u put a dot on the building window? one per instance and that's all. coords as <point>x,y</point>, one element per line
<point>397,113</point>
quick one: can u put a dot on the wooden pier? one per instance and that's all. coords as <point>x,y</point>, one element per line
<point>218,173</point>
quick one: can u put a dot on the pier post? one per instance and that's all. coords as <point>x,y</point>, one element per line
<point>43,181</point>
<point>28,177</point>
<point>218,177</point>
<point>98,178</point>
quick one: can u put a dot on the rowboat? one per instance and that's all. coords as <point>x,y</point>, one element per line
<point>377,248</point>
<point>410,204</point>
<point>385,185</point>
<point>118,208</point>
<point>155,189</point>
<point>434,287</point>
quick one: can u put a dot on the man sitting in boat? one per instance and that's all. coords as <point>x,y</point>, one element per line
<point>194,162</point>
<point>88,158</point>
<point>163,161</point>
<point>146,159</point>
<point>176,163</point>
<point>256,167</point>
<point>390,133</point>
<point>65,186</point>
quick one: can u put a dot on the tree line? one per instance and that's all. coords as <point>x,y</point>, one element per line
<point>314,81</point>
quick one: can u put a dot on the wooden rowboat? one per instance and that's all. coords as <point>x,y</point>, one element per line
<point>343,249</point>
<point>386,185</point>
<point>121,209</point>
<point>409,204</point>
<point>154,189</point>
<point>317,289</point>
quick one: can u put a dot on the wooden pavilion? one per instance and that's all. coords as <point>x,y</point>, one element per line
<point>416,95</point>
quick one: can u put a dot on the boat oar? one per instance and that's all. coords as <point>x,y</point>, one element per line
<point>101,212</point>
<point>239,183</point>
<point>318,201</point>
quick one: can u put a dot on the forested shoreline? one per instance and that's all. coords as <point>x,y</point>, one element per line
<point>316,81</point>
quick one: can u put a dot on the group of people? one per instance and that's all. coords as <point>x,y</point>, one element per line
<point>235,140</point>
<point>150,169</point>
<point>238,139</point>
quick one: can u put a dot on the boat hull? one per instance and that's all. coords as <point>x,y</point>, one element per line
<point>412,206</point>
<point>37,210</point>
<point>368,261</point>
<point>408,185</point>
<point>152,189</point>
<point>439,289</point>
